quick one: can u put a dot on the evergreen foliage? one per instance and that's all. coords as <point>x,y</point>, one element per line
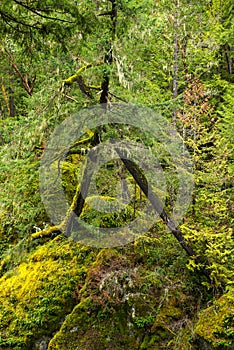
<point>57,58</point>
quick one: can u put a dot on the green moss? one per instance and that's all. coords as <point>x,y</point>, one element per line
<point>38,293</point>
<point>89,327</point>
<point>123,307</point>
<point>216,323</point>
<point>69,179</point>
<point>74,77</point>
<point>96,300</point>
<point>102,319</point>
<point>105,219</point>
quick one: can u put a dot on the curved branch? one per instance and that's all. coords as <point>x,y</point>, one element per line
<point>6,16</point>
<point>48,232</point>
<point>39,14</point>
<point>24,80</point>
<point>74,77</point>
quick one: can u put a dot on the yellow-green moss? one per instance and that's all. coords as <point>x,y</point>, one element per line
<point>89,327</point>
<point>47,232</point>
<point>74,77</point>
<point>123,307</point>
<point>38,293</point>
<point>216,323</point>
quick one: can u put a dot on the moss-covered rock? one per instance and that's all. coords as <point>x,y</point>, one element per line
<point>90,327</point>
<point>216,324</point>
<point>36,295</point>
<point>68,297</point>
<point>126,306</point>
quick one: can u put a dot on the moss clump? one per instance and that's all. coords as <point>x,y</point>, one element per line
<point>69,178</point>
<point>36,295</point>
<point>216,323</point>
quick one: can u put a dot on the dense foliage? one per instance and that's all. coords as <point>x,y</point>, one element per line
<point>59,57</point>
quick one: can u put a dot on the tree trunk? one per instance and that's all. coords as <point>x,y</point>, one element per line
<point>176,63</point>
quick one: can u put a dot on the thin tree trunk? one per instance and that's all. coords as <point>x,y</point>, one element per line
<point>108,59</point>
<point>12,103</point>
<point>176,63</point>
<point>227,52</point>
<point>82,195</point>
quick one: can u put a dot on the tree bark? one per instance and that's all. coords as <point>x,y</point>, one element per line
<point>108,58</point>
<point>83,192</point>
<point>176,63</point>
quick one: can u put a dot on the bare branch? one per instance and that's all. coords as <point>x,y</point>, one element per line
<point>39,14</point>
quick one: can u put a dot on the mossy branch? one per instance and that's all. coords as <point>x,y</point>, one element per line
<point>48,232</point>
<point>77,77</point>
<point>94,87</point>
<point>85,140</point>
<point>73,78</point>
